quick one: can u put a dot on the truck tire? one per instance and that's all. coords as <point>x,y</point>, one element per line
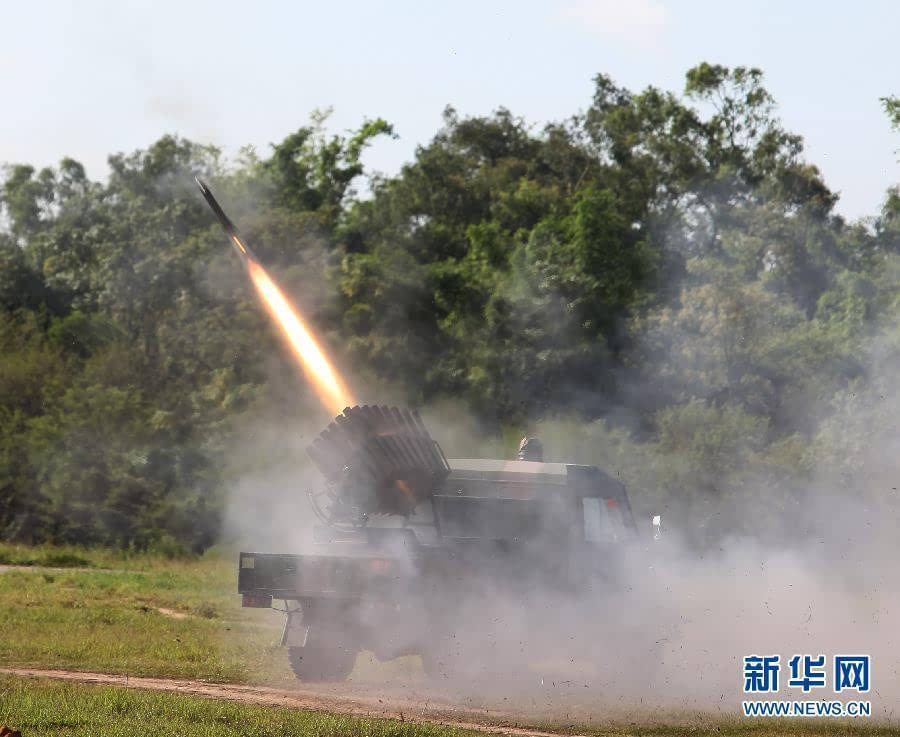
<point>327,656</point>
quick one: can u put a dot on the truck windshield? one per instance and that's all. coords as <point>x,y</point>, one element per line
<point>603,521</point>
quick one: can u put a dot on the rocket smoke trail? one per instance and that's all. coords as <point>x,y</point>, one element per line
<point>312,358</point>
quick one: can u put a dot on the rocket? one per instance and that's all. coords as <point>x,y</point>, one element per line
<point>302,341</point>
<point>230,230</point>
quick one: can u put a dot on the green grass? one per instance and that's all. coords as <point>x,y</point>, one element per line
<point>109,620</point>
<point>39,707</point>
<point>44,555</point>
<point>74,556</point>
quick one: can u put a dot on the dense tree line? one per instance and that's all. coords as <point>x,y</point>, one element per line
<point>665,272</point>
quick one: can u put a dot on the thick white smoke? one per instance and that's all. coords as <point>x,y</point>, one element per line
<point>667,625</point>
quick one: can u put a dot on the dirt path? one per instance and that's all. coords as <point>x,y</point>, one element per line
<point>410,706</point>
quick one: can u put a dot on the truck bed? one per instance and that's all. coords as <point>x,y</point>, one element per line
<point>266,576</point>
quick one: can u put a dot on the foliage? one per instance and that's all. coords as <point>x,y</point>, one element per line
<point>669,266</point>
<point>892,108</point>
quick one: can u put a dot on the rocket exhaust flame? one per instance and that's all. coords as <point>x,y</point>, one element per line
<point>327,384</point>
<point>237,242</point>
<point>324,379</point>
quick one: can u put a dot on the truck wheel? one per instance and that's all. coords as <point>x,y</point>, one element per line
<point>323,658</point>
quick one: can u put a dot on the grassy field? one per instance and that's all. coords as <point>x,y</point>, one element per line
<point>39,707</point>
<point>135,614</point>
<point>148,615</point>
<point>71,556</point>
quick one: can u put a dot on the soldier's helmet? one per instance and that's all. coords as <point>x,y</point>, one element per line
<point>530,449</point>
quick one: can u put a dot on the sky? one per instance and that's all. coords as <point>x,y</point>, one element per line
<point>86,79</point>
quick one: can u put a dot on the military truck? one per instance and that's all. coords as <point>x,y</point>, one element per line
<point>410,547</point>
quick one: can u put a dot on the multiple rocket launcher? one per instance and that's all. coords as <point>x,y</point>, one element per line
<point>382,459</point>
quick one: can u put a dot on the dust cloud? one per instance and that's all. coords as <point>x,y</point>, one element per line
<point>667,623</point>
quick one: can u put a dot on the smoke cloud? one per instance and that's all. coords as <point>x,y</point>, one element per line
<point>664,626</point>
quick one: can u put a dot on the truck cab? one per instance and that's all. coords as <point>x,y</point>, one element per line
<point>522,500</point>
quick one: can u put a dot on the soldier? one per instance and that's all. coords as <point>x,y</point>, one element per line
<point>530,449</point>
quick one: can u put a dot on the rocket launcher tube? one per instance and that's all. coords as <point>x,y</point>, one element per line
<point>384,452</point>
